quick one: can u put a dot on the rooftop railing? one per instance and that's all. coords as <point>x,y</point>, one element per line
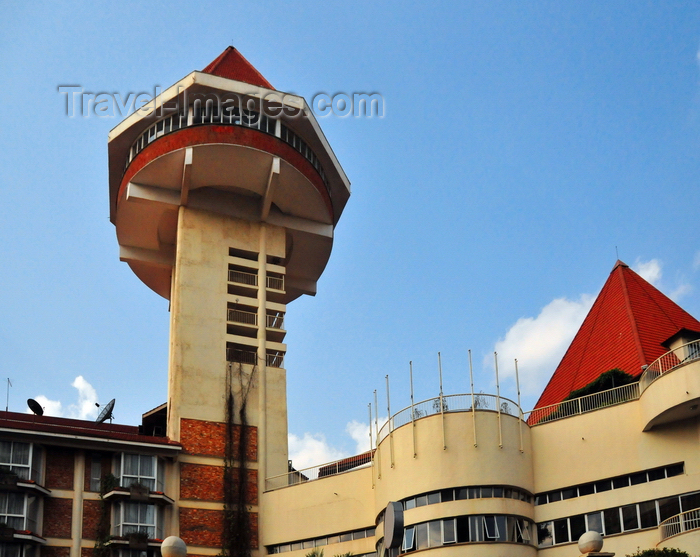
<point>680,523</point>
<point>583,404</point>
<point>311,473</point>
<point>673,359</point>
<point>450,403</point>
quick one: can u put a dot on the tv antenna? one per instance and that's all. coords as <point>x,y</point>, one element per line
<point>35,407</point>
<point>106,413</point>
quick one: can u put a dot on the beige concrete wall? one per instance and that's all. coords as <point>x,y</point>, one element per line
<point>198,316</point>
<point>460,464</point>
<point>318,508</point>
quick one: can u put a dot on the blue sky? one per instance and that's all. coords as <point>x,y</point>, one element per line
<point>522,144</point>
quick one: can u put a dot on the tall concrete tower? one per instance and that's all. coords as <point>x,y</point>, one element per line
<point>225,194</point>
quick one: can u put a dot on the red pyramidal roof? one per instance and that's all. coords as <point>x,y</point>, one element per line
<point>232,65</point>
<point>624,329</point>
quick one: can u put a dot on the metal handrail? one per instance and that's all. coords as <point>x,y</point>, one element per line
<point>275,321</point>
<point>671,360</point>
<point>276,283</point>
<point>244,317</point>
<point>584,404</point>
<point>241,277</point>
<point>677,524</point>
<point>450,403</point>
<point>311,473</point>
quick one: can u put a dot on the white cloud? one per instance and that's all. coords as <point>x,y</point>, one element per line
<point>84,409</point>
<point>311,450</point>
<point>680,291</point>
<point>51,407</point>
<point>540,342</point>
<point>649,270</point>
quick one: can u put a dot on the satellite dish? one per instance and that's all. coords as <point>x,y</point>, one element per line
<point>35,407</point>
<point>106,413</point>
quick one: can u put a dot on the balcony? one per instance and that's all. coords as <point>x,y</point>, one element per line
<point>681,531</point>
<point>245,283</point>
<point>250,357</point>
<point>670,386</point>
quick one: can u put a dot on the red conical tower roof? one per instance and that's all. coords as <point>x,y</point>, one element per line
<point>624,329</point>
<point>232,65</point>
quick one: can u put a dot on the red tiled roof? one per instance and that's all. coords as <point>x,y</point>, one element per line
<point>624,329</point>
<point>232,65</point>
<point>79,428</point>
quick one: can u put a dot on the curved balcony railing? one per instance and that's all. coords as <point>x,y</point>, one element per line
<point>450,403</point>
<point>226,116</point>
<point>673,359</point>
<point>583,404</point>
<point>680,523</point>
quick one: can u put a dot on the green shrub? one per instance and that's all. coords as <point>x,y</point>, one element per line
<point>665,552</point>
<point>609,380</point>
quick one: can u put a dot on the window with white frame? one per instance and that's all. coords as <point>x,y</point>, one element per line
<point>18,510</point>
<point>17,458</point>
<point>131,517</point>
<point>145,470</point>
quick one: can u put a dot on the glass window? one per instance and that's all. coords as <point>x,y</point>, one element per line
<point>15,457</point>
<point>595,522</point>
<point>630,521</point>
<point>296,546</point>
<point>95,472</point>
<point>462,529</point>
<point>554,496</point>
<point>498,491</point>
<point>490,526</point>
<point>12,510</point>
<point>578,526</point>
<point>545,534</point>
<point>690,502</point>
<point>308,544</point>
<point>476,529</point>
<point>541,499</point>
<point>136,517</point>
<point>359,535</point>
<point>461,493</point>
<point>674,470</point>
<point>447,495</point>
<point>605,485</point>
<point>586,489</point>
<point>658,474</point>
<point>433,498</point>
<point>421,536</point>
<point>622,481</point>
<point>138,469</point>
<point>421,500</point>
<point>410,503</point>
<point>611,518</point>
<point>474,493</point>
<point>647,514</point>
<point>501,530</point>
<point>435,533</point>
<point>561,531</point>
<point>638,478</point>
<point>486,492</point>
<point>448,531</point>
<point>346,537</point>
<point>568,493</point>
<point>408,539</point>
<point>668,507</point>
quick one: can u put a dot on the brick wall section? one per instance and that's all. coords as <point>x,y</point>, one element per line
<point>57,517</point>
<point>91,518</point>
<point>206,483</point>
<point>84,552</point>
<point>106,462</point>
<point>48,551</point>
<point>199,437</point>
<point>204,527</point>
<point>59,468</point>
